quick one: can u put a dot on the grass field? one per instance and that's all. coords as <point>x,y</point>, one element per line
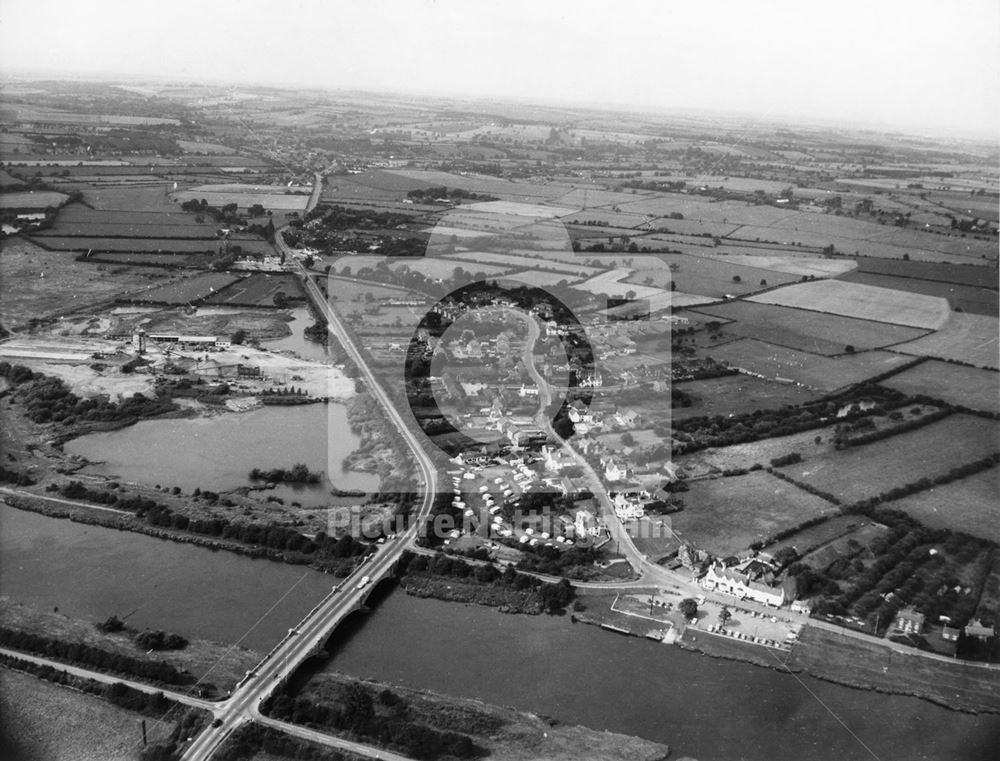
<point>966,298</point>
<point>737,393</point>
<point>805,330</point>
<point>756,452</point>
<point>864,664</point>
<point>58,243</point>
<point>188,290</point>
<point>816,536</point>
<point>865,471</point>
<point>790,264</point>
<point>708,276</point>
<point>513,260</point>
<point>726,515</point>
<point>32,199</point>
<point>810,370</point>
<point>112,198</point>
<point>970,504</point>
<point>35,282</point>
<point>258,290</point>
<point>970,338</point>
<point>956,384</point>
<point>862,301</point>
<point>982,276</point>
<point>103,230</point>
<point>439,268</point>
<point>45,722</point>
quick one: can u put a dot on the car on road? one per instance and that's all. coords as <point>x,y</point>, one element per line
<point>364,582</point>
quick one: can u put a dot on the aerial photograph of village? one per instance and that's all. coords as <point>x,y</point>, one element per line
<point>438,380</point>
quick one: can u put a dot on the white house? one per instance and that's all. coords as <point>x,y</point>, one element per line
<point>751,580</point>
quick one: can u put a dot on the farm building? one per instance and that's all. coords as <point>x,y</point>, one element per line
<point>175,338</point>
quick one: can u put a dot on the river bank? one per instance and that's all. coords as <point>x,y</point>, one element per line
<point>837,659</point>
<point>219,666</point>
<point>504,733</point>
<point>506,600</point>
<point>120,520</point>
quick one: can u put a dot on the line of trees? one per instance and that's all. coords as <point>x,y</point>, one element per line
<point>48,399</point>
<point>250,739</point>
<point>271,536</point>
<point>16,477</point>
<point>554,597</point>
<point>299,473</point>
<point>384,719</point>
<point>87,655</point>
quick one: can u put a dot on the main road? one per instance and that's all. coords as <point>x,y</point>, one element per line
<point>300,643</point>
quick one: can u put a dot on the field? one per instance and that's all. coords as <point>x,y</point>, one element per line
<point>32,199</point>
<point>189,261</point>
<point>507,190</point>
<point>513,260</point>
<point>981,276</point>
<point>865,471</point>
<point>791,264</point>
<point>151,198</point>
<point>810,370</point>
<point>258,290</point>
<point>188,290</point>
<point>807,330</point>
<point>807,539</point>
<point>714,460</point>
<point>970,338</point>
<point>273,198</point>
<point>36,282</point>
<point>57,243</point>
<point>863,301</point>
<point>956,384</point>
<point>726,515</point>
<point>966,298</point>
<point>443,269</point>
<point>970,504</point>
<point>866,664</point>
<point>736,393</point>
<point>45,722</point>
<point>708,276</point>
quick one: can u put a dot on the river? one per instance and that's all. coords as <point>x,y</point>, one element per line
<point>297,343</point>
<point>218,452</point>
<point>92,572</point>
<point>702,707</point>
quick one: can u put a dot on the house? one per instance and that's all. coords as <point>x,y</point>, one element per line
<point>975,628</point>
<point>950,633</point>
<point>692,558</point>
<point>586,523</point>
<point>747,581</point>
<point>626,417</point>
<point>615,471</point>
<point>910,621</point>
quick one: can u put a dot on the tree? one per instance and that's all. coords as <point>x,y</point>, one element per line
<point>627,439</point>
<point>280,300</point>
<point>737,279</point>
<point>238,337</point>
<point>724,616</point>
<point>689,607</point>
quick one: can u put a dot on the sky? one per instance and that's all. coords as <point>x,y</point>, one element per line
<point>913,64</point>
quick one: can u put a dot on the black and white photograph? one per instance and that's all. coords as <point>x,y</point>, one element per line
<point>429,380</point>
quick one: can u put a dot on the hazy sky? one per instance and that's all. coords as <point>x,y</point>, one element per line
<point>913,63</point>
